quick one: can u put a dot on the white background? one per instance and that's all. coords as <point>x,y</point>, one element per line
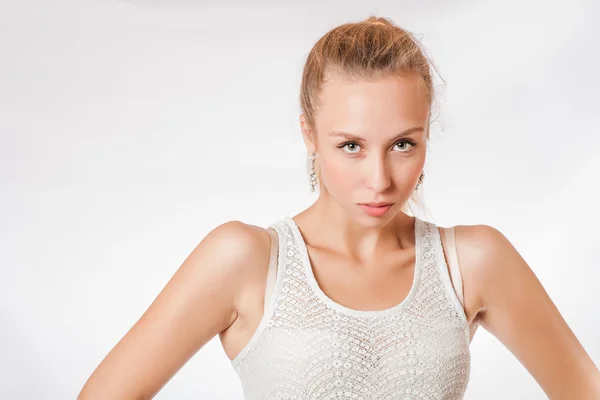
<point>130,129</point>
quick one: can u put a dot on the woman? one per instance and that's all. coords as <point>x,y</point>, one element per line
<point>352,298</point>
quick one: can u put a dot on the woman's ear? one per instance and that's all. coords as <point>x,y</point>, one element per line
<point>307,135</point>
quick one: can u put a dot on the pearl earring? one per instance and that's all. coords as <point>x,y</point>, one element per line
<point>420,179</point>
<point>311,172</point>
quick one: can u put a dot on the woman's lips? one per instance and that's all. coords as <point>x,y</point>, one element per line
<point>375,211</point>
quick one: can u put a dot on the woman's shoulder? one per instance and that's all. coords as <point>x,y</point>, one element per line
<point>238,230</point>
<point>248,243</point>
<point>477,248</point>
<point>248,249</point>
<point>477,243</point>
<point>241,240</point>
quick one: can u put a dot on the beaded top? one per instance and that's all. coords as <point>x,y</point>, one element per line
<point>308,346</point>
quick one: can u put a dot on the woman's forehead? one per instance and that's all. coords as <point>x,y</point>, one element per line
<point>355,106</point>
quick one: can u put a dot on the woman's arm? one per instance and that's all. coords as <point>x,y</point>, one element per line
<point>195,305</point>
<point>518,311</point>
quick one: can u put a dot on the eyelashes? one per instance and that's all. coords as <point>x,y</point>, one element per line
<point>356,145</point>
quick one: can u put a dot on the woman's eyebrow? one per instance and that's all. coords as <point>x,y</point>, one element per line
<point>356,137</point>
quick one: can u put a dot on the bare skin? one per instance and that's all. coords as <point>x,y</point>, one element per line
<point>359,261</point>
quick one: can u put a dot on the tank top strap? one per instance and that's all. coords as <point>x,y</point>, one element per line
<point>275,289</point>
<point>452,262</point>
<point>279,241</point>
<point>437,280</point>
<point>281,260</point>
<point>272,268</point>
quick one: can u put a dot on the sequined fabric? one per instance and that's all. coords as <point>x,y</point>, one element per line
<point>308,347</point>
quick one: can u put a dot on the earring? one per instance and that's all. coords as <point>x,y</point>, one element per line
<point>311,172</point>
<point>420,179</point>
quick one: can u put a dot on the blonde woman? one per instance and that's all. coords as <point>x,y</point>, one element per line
<point>353,298</point>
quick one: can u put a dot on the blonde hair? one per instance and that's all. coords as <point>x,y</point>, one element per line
<point>366,50</point>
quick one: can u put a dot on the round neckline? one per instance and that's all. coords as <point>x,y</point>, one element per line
<point>307,267</point>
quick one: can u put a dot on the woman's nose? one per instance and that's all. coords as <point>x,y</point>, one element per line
<point>378,175</point>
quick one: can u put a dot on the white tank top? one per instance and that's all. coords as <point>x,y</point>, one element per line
<point>308,346</point>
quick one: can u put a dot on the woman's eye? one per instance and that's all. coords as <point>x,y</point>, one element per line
<point>405,142</point>
<point>350,146</point>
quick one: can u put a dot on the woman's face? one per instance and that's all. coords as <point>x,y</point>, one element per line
<point>371,142</point>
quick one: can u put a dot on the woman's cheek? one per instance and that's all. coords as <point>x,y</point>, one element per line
<point>337,176</point>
